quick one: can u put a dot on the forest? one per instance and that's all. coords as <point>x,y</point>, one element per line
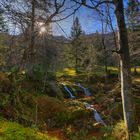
<point>69,70</point>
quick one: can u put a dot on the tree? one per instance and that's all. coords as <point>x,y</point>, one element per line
<point>133,15</point>
<point>76,32</point>
<point>89,54</point>
<point>126,87</point>
<point>133,22</point>
<point>26,14</point>
<point>3,39</point>
<point>3,27</point>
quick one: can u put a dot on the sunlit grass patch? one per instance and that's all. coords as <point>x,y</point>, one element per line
<point>14,131</point>
<point>66,72</point>
<point>119,131</point>
<point>70,71</point>
<point>137,69</point>
<point>112,68</point>
<point>98,70</point>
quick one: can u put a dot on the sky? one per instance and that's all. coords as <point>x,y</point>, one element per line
<point>88,18</point>
<point>88,21</point>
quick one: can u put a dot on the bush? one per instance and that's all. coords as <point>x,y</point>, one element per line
<point>5,84</point>
<point>119,131</point>
<point>136,136</point>
<point>38,72</point>
<point>62,118</point>
<point>49,109</point>
<point>79,113</point>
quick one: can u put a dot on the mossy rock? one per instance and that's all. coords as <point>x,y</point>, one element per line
<point>53,89</point>
<point>79,113</point>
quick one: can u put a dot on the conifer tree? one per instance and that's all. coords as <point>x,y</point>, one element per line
<point>76,32</point>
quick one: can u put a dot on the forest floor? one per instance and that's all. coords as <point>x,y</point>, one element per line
<point>66,119</point>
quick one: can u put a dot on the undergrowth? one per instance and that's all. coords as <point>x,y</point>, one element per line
<point>14,131</point>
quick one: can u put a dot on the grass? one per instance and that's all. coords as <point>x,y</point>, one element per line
<point>138,69</point>
<point>66,72</point>
<point>14,131</point>
<point>99,70</point>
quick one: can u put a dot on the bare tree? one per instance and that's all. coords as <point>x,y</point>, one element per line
<point>27,14</point>
<point>126,88</point>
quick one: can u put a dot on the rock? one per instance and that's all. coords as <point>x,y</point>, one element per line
<point>53,90</point>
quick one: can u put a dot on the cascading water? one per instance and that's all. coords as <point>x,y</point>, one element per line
<point>86,91</point>
<point>95,113</point>
<point>69,92</point>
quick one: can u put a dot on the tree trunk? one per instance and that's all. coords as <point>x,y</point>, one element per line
<point>105,59</point>
<point>76,59</point>
<point>126,87</point>
<point>32,28</point>
<point>32,42</point>
<point>135,70</point>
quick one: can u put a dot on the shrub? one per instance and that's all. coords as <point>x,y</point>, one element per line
<point>62,118</point>
<point>49,109</point>
<point>38,72</point>
<point>77,110</point>
<point>79,113</point>
<point>136,136</point>
<point>5,85</point>
<point>119,131</point>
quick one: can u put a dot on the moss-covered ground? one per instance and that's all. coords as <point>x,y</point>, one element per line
<point>31,111</point>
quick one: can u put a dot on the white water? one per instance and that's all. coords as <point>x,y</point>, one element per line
<point>68,91</point>
<point>95,113</point>
<point>86,91</point>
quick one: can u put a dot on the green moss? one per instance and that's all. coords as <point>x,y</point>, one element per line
<point>14,131</point>
<point>119,131</point>
<point>136,136</point>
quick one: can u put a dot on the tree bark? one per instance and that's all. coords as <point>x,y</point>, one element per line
<point>32,42</point>
<point>126,86</point>
<point>32,28</point>
<point>135,70</point>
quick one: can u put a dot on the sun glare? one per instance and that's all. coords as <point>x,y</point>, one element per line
<point>42,30</point>
<point>40,23</point>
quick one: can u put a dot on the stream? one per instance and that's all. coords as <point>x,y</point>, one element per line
<point>96,115</point>
<point>69,92</point>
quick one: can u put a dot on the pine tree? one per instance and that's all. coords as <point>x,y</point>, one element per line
<point>76,29</point>
<point>76,32</point>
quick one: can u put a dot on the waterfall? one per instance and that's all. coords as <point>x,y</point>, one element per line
<point>95,113</point>
<point>86,91</point>
<point>69,92</point>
